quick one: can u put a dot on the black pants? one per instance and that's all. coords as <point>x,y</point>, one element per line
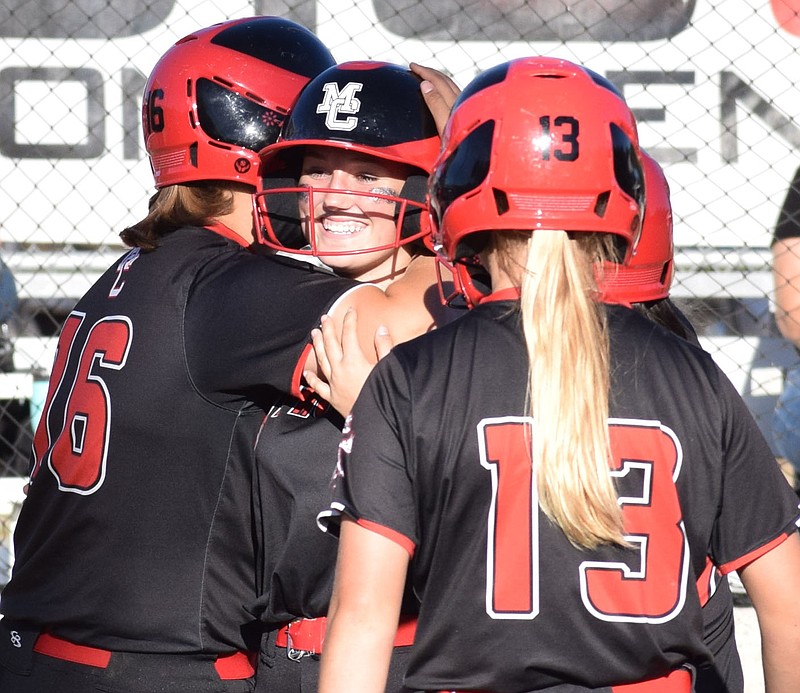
<point>279,674</point>
<point>126,673</point>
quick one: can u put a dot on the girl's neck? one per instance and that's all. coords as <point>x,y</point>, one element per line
<point>240,218</point>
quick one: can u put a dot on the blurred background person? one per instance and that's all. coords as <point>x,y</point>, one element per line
<point>786,272</point>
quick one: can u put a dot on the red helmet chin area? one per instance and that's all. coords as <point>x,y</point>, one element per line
<point>463,285</point>
<point>647,274</point>
<point>536,144</point>
<point>281,226</point>
<point>220,95</point>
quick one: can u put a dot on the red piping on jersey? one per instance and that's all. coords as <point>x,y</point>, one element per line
<point>227,232</point>
<point>384,531</point>
<point>509,294</point>
<point>705,581</point>
<point>753,555</point>
<point>294,386</point>
<point>513,293</point>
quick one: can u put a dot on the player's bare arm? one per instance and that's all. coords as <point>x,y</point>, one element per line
<point>778,612</point>
<point>345,352</point>
<point>365,608</point>
<point>409,306</point>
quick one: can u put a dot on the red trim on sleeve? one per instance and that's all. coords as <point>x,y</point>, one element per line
<point>384,531</point>
<point>754,554</point>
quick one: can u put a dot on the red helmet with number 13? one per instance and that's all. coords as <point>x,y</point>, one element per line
<point>536,144</point>
<point>221,94</point>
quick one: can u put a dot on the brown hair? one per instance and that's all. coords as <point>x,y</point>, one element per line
<point>175,206</point>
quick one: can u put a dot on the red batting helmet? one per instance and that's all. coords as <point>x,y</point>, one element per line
<point>536,143</point>
<point>369,107</point>
<point>647,274</point>
<point>221,94</point>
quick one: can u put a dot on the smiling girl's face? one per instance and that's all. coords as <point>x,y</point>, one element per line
<point>344,222</point>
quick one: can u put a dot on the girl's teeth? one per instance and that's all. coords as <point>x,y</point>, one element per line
<point>341,228</point>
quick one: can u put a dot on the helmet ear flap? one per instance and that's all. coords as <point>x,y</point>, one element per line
<point>473,244</point>
<point>282,216</point>
<point>415,219</point>
<point>474,282</point>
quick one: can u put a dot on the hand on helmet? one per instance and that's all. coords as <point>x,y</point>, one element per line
<point>439,91</point>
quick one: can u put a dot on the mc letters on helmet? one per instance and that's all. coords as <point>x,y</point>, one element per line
<point>338,103</point>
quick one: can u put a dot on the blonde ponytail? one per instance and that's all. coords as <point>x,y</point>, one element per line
<point>567,342</point>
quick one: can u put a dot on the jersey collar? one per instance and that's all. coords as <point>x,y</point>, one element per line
<point>509,294</point>
<point>227,232</point>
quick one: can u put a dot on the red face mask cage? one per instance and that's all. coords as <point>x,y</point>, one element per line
<point>276,221</point>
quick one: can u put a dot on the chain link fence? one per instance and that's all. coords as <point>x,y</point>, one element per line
<point>712,83</point>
